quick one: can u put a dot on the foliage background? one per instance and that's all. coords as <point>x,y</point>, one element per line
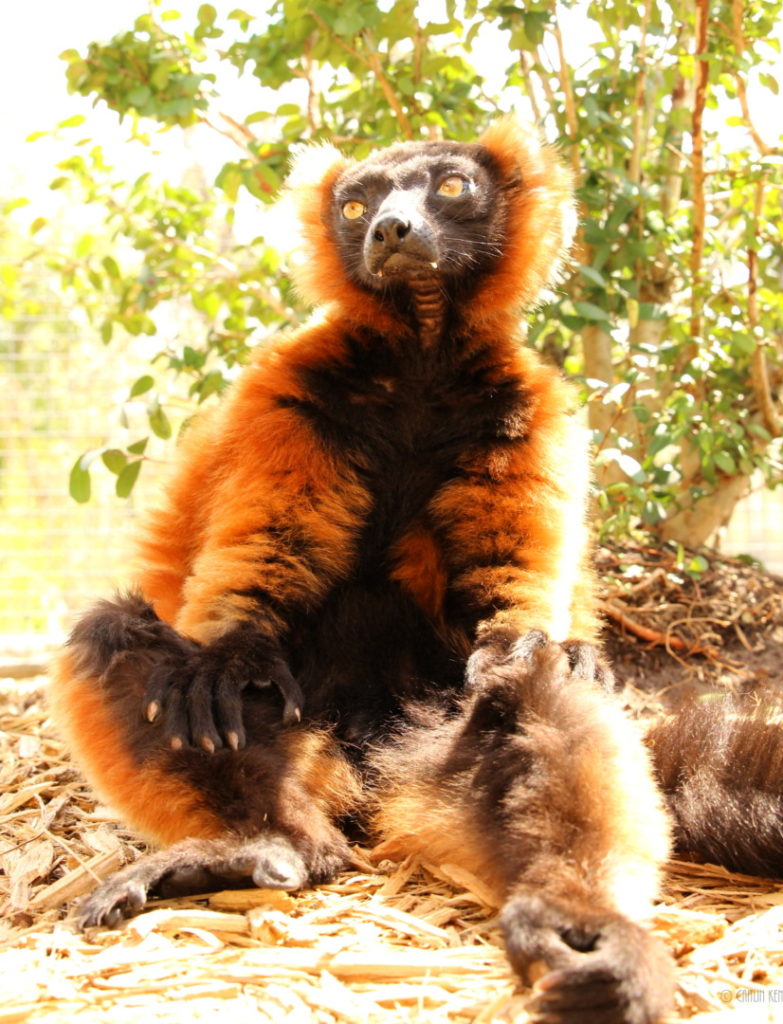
<point>165,248</point>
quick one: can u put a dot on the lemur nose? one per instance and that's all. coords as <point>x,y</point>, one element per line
<point>390,229</point>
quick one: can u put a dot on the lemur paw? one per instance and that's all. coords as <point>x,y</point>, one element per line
<point>115,631</point>
<point>503,648</point>
<point>198,699</point>
<point>589,967</point>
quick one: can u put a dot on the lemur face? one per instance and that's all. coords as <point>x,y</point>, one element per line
<point>418,212</point>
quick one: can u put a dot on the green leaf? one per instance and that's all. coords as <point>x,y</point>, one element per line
<point>593,276</point>
<point>159,78</point>
<point>697,565</point>
<point>142,385</point>
<point>79,484</point>
<point>16,204</point>
<point>159,421</point>
<point>127,479</point>
<point>589,311</point>
<point>653,512</point>
<point>138,447</point>
<point>206,14</point>
<point>72,122</point>
<point>743,343</point>
<point>239,15</point>
<point>212,383</point>
<point>114,460</point>
<point>110,266</point>
<point>139,96</point>
<point>759,431</point>
<point>725,462</point>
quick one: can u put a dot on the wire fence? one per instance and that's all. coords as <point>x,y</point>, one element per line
<point>60,389</point>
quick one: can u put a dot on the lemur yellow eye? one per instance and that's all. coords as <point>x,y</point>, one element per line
<point>353,209</point>
<point>452,186</point>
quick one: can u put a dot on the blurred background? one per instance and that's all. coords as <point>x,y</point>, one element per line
<point>142,253</point>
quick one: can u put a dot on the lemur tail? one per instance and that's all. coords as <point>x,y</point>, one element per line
<point>720,764</point>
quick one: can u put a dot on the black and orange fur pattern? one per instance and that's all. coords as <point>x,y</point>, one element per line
<point>366,598</point>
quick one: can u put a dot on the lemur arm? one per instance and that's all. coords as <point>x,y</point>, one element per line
<point>515,531</point>
<point>258,524</point>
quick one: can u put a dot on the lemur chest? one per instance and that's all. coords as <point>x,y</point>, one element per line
<point>408,423</point>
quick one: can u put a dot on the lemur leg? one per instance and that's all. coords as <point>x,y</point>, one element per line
<point>266,814</point>
<point>541,788</point>
<point>191,866</point>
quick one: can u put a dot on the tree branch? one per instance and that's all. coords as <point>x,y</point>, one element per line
<point>526,65</point>
<point>313,95</point>
<point>238,133</point>
<point>738,38</point>
<point>374,63</point>
<point>570,104</point>
<point>759,364</point>
<point>635,164</point>
<point>697,166</point>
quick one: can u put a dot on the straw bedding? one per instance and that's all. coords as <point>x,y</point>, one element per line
<point>408,942</point>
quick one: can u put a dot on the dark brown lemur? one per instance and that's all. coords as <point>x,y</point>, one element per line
<point>366,594</point>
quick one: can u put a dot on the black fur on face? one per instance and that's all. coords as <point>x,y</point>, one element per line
<point>429,211</point>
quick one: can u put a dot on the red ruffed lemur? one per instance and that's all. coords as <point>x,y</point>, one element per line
<point>365,601</point>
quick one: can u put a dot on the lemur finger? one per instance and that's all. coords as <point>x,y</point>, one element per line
<point>228,711</point>
<point>201,713</point>
<point>291,691</point>
<point>528,644</point>
<point>175,721</point>
<point>586,662</point>
<point>158,684</point>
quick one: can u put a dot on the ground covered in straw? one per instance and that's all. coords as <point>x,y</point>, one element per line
<point>409,942</point>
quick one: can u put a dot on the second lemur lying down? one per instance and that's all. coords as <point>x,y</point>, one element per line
<point>365,602</point>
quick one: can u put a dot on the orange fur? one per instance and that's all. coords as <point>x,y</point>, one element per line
<point>321,773</point>
<point>528,512</point>
<point>194,553</point>
<point>419,568</point>
<point>253,465</point>
<point>149,796</point>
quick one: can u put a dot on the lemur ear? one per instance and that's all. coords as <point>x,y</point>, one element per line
<point>315,264</point>
<point>311,164</point>
<point>541,217</point>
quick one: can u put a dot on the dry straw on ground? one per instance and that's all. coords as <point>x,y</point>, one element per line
<point>410,943</point>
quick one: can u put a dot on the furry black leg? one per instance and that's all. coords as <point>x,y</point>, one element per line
<point>204,865</point>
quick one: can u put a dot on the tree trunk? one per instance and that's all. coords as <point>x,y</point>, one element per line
<point>695,524</point>
<point>597,353</point>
